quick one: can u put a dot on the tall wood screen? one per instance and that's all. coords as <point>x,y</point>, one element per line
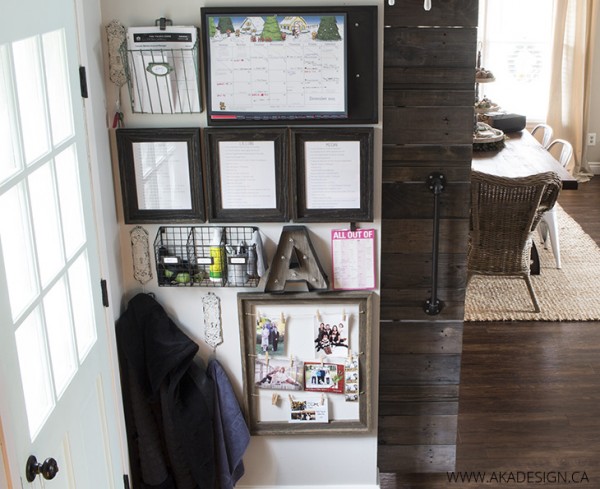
<point>428,96</point>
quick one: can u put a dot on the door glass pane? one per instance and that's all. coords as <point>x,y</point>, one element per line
<point>83,307</point>
<point>33,362</point>
<point>60,335</point>
<point>46,224</point>
<point>32,108</point>
<point>69,195</point>
<point>59,90</point>
<point>17,250</point>
<point>10,157</point>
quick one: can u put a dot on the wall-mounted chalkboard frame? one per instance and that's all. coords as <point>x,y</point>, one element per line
<point>362,64</point>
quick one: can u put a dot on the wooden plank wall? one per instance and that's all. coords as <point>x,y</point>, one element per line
<point>429,75</point>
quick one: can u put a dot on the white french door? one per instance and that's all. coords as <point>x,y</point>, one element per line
<point>56,395</point>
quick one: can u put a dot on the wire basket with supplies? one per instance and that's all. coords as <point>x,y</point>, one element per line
<point>207,256</point>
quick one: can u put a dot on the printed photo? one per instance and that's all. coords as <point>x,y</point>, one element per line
<point>351,379</point>
<point>278,374</point>
<point>331,339</point>
<point>270,336</point>
<point>324,377</point>
<point>309,411</point>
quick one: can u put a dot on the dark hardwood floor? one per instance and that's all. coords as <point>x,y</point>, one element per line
<point>529,402</point>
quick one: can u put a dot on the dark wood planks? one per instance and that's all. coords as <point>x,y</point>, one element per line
<point>429,61</point>
<point>444,13</point>
<point>529,392</point>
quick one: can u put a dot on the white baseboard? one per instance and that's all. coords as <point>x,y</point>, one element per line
<point>595,167</point>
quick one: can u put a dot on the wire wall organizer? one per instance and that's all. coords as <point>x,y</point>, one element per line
<point>206,256</point>
<point>163,81</point>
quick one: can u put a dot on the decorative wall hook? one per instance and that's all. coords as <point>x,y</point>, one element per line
<point>427,5</point>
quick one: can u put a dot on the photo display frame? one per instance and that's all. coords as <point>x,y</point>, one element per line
<point>161,175</point>
<point>255,72</point>
<point>247,174</point>
<point>332,174</point>
<point>302,389</point>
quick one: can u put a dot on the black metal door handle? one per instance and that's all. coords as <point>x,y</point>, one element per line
<point>47,469</point>
<point>436,183</point>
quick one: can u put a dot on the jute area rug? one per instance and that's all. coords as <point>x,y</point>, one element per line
<point>569,294</point>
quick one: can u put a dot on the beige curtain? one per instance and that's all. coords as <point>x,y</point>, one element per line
<point>570,86</point>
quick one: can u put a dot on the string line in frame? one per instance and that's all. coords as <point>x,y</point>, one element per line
<point>254,355</point>
<point>342,312</point>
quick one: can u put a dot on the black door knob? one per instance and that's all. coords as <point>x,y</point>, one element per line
<point>48,468</point>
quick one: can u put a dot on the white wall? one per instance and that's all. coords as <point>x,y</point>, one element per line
<point>274,460</point>
<point>593,155</point>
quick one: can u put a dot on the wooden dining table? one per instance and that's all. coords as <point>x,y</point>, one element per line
<point>522,156</point>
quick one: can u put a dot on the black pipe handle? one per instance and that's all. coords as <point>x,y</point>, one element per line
<point>436,182</point>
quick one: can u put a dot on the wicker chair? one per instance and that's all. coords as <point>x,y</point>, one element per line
<point>504,214</point>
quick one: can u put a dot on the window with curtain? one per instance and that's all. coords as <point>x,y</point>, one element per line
<point>515,41</point>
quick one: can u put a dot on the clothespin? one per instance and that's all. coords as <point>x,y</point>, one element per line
<point>291,398</point>
<point>282,318</point>
<point>274,399</point>
<point>343,314</point>
<point>350,355</point>
<point>291,361</point>
<point>322,361</point>
<point>318,316</point>
<point>322,399</point>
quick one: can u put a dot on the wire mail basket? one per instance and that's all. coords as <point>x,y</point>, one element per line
<point>163,81</point>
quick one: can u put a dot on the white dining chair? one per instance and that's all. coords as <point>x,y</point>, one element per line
<point>562,150</point>
<point>548,226</point>
<point>545,132</point>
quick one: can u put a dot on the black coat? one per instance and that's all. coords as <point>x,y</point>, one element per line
<point>168,401</point>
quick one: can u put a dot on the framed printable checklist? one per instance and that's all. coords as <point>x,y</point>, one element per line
<point>332,174</point>
<point>247,174</point>
<point>161,175</point>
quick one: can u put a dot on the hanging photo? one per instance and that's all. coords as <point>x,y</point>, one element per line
<point>270,335</point>
<point>331,338</point>
<point>309,411</point>
<point>324,377</point>
<point>351,379</point>
<point>278,374</point>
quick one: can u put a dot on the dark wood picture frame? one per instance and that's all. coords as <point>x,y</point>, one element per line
<point>249,304</point>
<point>217,191</point>
<point>302,212</point>
<point>127,139</point>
